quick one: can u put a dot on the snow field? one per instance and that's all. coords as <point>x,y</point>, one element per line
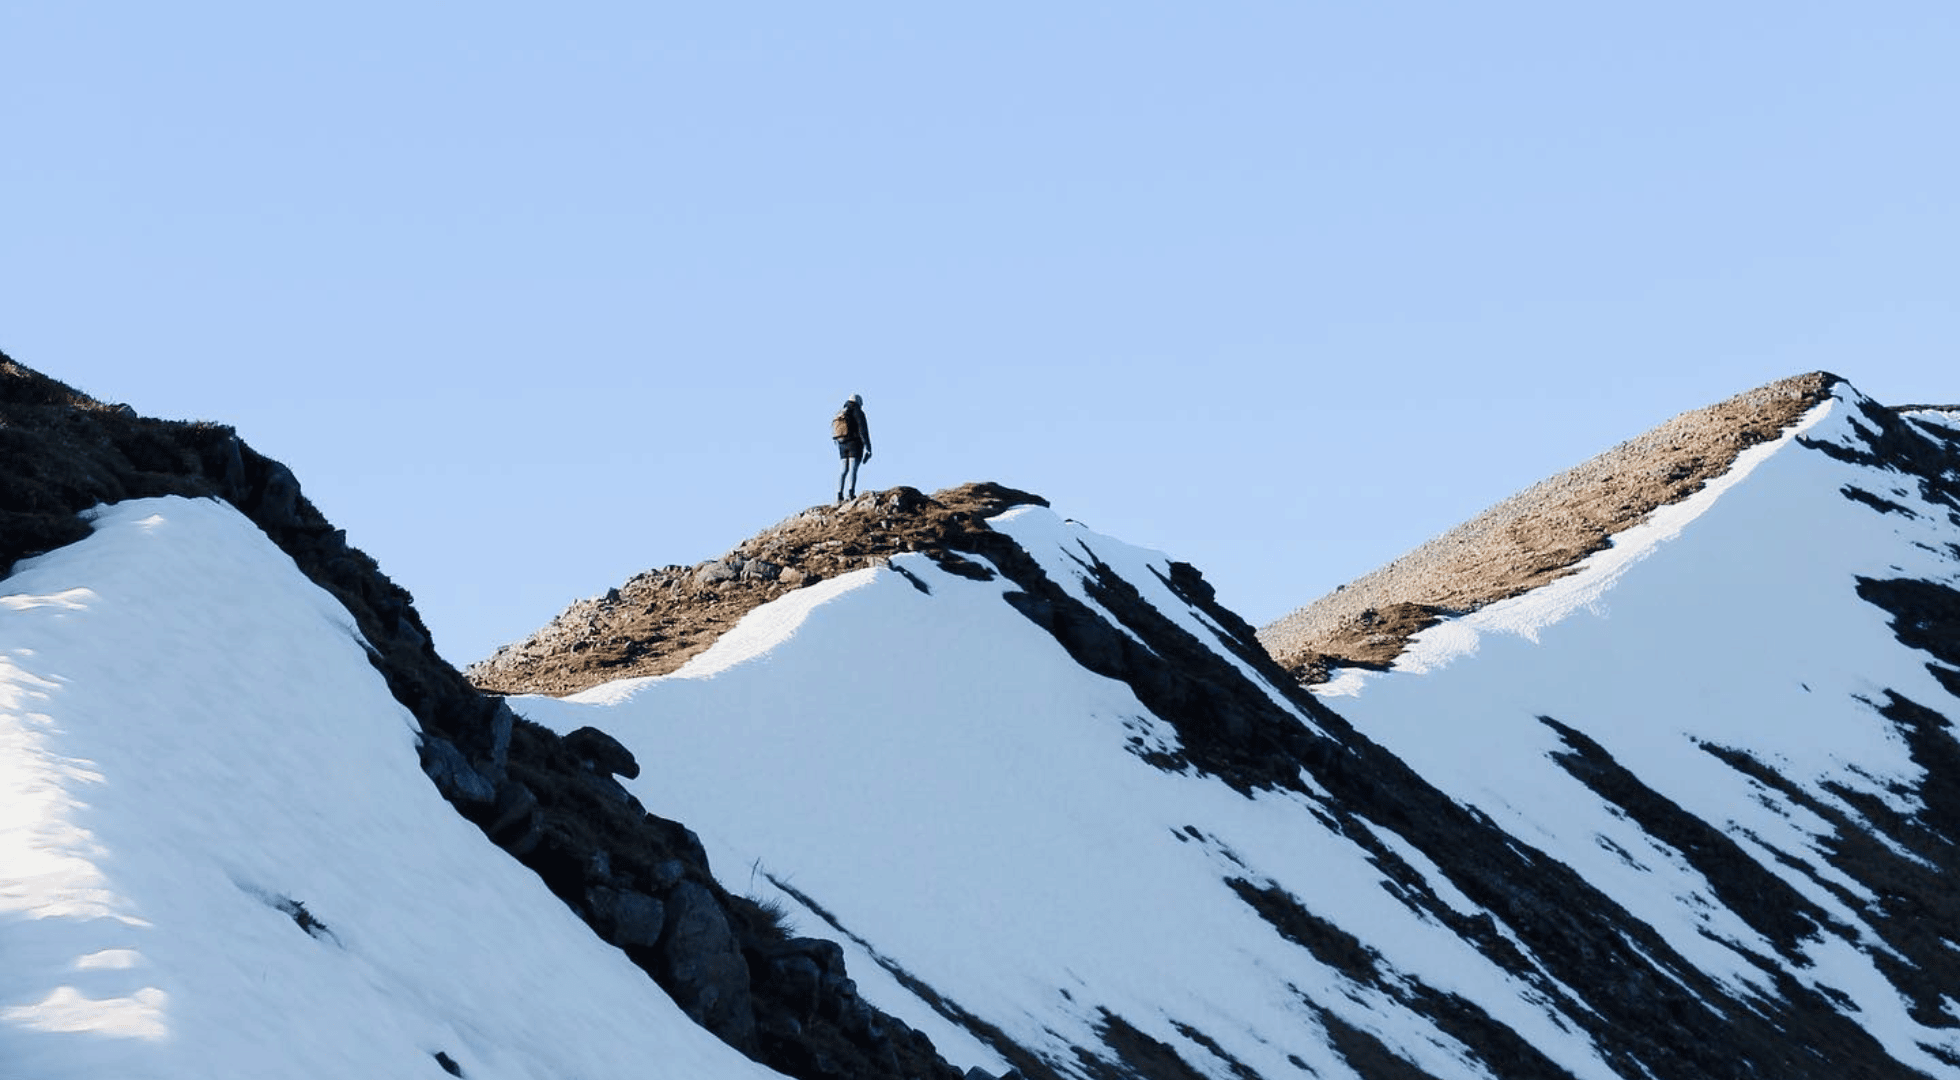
<point>193,748</point>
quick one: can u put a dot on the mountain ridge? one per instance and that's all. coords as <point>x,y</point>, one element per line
<point>653,622</point>
<point>1644,1001</point>
<point>1603,959</point>
<point>1064,816</point>
<point>1535,536</point>
<point>657,620</point>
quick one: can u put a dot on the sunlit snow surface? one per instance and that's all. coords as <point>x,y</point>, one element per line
<point>1731,619</point>
<point>193,747</point>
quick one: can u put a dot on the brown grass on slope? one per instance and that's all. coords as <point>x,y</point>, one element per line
<point>660,619</point>
<point>1535,536</point>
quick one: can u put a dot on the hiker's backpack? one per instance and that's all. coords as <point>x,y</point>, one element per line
<point>840,425</point>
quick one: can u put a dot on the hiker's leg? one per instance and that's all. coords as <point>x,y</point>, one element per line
<point>851,471</point>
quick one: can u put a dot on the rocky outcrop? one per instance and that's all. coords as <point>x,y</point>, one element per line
<point>700,960</point>
<point>660,618</point>
<point>642,882</point>
<point>1535,536</point>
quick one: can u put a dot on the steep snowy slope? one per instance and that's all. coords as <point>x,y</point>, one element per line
<point>639,882</point>
<point>1714,721</point>
<point>221,856</point>
<point>1690,818</point>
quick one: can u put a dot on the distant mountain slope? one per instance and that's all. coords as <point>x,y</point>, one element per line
<point>1534,536</point>
<point>1690,813</point>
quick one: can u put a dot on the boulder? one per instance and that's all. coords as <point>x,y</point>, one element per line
<point>715,572</point>
<point>799,971</point>
<point>702,968</point>
<point>602,753</point>
<point>454,777</point>
<point>516,821</point>
<point>760,570</point>
<point>278,502</point>
<point>668,873</point>
<point>627,919</point>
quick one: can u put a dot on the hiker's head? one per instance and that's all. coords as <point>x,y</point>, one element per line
<point>858,400</point>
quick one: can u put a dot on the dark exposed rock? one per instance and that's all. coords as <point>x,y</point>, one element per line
<point>513,822</point>
<point>893,1035</point>
<point>278,501</point>
<point>1876,502</point>
<point>1783,915</point>
<point>668,873</point>
<point>1925,456</point>
<point>602,753</point>
<point>1649,1009</point>
<point>627,919</point>
<point>703,967</point>
<point>454,777</point>
<point>1331,945</point>
<point>1137,1055</point>
<point>798,969</point>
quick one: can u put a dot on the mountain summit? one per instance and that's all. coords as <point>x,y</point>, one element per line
<point>1536,536</point>
<point>965,782</point>
<point>657,620</point>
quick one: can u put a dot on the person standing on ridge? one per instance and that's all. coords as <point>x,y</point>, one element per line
<point>852,434</point>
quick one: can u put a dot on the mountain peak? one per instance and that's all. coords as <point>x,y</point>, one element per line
<point>1535,536</point>
<point>661,618</point>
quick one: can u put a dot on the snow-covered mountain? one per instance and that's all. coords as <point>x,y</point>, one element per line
<point>223,859</point>
<point>1686,808</point>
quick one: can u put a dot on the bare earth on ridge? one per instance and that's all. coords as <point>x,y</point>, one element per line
<point>659,619</point>
<point>1535,536</point>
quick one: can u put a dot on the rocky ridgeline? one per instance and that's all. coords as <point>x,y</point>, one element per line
<point>641,882</point>
<point>658,619</point>
<point>1534,536</point>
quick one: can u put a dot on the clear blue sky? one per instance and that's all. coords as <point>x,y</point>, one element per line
<point>533,297</point>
